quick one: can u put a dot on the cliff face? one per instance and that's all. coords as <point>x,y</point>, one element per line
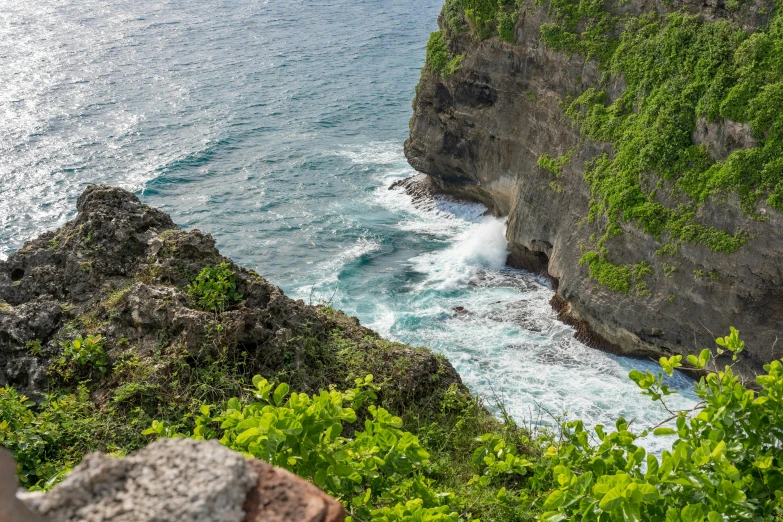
<point>480,132</point>
<point>121,270</point>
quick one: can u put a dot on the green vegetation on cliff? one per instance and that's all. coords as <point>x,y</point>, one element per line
<point>438,56</point>
<point>448,460</point>
<point>678,70</point>
<point>680,75</point>
<point>484,18</point>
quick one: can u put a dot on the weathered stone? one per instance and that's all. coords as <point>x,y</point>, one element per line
<point>281,496</point>
<point>170,480</point>
<point>121,270</point>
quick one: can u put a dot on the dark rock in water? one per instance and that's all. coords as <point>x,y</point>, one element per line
<point>479,132</point>
<point>121,270</point>
<point>419,187</point>
<point>423,191</point>
<point>461,310</point>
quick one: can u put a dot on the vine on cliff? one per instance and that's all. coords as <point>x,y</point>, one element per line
<point>678,69</point>
<point>438,56</point>
<point>484,18</point>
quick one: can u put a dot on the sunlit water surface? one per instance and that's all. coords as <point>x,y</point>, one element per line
<point>278,126</point>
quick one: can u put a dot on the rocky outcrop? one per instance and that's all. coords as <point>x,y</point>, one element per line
<point>121,270</point>
<point>478,133</point>
<point>169,481</point>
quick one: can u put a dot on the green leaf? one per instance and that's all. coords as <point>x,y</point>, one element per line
<point>599,467</point>
<point>612,498</point>
<point>662,432</point>
<point>247,435</point>
<point>555,499</point>
<point>280,392</point>
<point>252,422</point>
<point>386,437</point>
<point>631,512</point>
<point>333,431</point>
<point>345,471</point>
<point>289,426</point>
<point>692,513</point>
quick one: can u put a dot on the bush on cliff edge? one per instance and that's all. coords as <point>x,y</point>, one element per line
<point>724,463</point>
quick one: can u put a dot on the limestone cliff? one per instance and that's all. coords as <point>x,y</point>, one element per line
<point>480,131</point>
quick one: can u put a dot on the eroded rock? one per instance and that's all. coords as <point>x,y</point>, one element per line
<point>281,496</point>
<point>478,134</point>
<point>171,480</point>
<point>121,270</point>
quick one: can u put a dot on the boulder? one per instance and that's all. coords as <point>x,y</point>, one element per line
<point>172,480</point>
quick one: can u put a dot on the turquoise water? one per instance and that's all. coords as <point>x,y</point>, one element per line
<point>278,126</point>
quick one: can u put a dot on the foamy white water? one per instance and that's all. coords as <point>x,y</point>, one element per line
<point>278,127</point>
<point>493,323</point>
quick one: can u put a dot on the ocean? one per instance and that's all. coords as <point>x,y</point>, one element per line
<point>278,126</point>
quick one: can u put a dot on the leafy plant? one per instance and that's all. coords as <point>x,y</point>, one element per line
<point>46,441</point>
<point>438,56</point>
<point>215,288</point>
<point>34,347</point>
<point>723,466</point>
<point>87,351</point>
<point>554,165</point>
<point>375,472</point>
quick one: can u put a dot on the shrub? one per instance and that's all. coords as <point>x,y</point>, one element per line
<point>452,13</point>
<point>86,352</point>
<point>377,472</point>
<point>46,441</point>
<point>438,56</point>
<point>554,165</point>
<point>507,21</point>
<point>215,288</point>
<point>724,465</point>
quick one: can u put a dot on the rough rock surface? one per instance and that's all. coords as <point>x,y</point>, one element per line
<point>121,270</point>
<point>479,132</point>
<point>172,479</point>
<point>281,496</point>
